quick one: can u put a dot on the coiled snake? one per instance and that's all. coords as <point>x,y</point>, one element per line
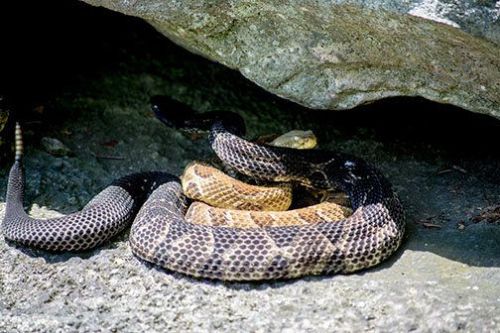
<point>161,234</point>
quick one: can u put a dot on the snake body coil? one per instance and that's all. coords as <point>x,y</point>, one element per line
<point>160,233</point>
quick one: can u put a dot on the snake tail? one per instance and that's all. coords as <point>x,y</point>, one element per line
<point>107,214</point>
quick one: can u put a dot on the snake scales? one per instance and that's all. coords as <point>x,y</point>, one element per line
<point>161,234</point>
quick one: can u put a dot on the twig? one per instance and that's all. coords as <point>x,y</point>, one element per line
<point>453,168</point>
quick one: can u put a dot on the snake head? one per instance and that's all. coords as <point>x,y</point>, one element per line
<point>171,112</point>
<point>180,116</point>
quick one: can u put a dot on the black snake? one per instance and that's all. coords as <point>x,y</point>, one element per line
<point>161,235</point>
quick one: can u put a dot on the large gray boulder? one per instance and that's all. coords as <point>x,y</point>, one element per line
<point>339,54</point>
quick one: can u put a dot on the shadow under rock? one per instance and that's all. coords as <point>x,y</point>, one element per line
<point>476,245</point>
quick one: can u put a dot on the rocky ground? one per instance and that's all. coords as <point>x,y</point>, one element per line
<point>441,160</point>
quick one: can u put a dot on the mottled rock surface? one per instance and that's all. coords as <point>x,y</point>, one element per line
<point>477,17</point>
<point>444,278</point>
<point>339,54</point>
